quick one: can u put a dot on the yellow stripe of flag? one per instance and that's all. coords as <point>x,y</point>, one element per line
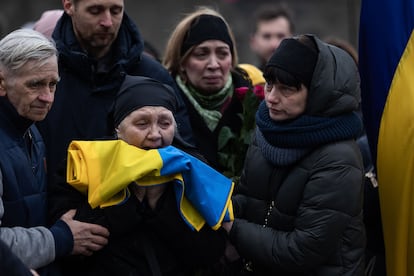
<point>395,164</point>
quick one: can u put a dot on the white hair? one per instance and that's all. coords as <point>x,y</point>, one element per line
<point>23,45</point>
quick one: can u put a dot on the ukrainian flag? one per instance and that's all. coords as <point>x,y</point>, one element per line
<point>102,170</point>
<point>386,56</point>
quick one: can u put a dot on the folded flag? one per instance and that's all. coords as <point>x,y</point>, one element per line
<point>102,170</point>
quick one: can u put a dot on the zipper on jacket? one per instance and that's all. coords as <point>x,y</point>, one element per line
<point>28,141</point>
<point>269,212</point>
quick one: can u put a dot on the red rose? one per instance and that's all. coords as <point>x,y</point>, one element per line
<point>258,90</point>
<point>241,92</point>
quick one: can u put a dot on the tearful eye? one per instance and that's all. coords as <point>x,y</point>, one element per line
<point>200,54</point>
<point>141,123</point>
<point>223,55</point>
<point>165,123</point>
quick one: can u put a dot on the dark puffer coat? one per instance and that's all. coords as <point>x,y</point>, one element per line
<point>306,218</point>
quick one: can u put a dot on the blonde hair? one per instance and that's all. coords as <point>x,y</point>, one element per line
<point>172,54</point>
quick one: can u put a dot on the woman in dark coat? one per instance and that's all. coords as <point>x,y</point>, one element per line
<point>298,206</point>
<point>148,236</point>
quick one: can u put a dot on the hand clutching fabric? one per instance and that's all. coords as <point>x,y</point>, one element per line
<point>87,237</point>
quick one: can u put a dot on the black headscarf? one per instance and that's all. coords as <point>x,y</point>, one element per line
<point>137,92</point>
<point>206,27</point>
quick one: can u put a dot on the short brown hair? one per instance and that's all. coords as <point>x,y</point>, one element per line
<point>270,12</point>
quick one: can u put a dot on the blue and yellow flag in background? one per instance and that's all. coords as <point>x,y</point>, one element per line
<point>103,170</point>
<point>386,57</point>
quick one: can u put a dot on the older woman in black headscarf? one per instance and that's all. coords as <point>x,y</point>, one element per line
<point>148,236</point>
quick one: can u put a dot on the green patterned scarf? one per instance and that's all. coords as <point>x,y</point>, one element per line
<point>208,106</point>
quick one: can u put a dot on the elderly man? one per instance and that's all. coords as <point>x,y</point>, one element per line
<point>28,78</point>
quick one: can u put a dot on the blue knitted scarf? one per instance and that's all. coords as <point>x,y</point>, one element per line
<point>284,143</point>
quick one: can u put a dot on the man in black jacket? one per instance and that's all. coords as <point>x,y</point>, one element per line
<point>98,45</point>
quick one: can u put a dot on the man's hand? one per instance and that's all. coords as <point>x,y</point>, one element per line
<point>87,237</point>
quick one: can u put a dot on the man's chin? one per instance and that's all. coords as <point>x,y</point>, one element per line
<point>101,45</point>
<point>102,41</point>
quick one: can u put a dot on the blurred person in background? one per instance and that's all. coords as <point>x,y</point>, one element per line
<point>272,23</point>
<point>47,22</point>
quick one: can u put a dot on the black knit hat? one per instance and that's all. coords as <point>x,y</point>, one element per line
<point>137,92</point>
<point>206,27</point>
<point>295,58</point>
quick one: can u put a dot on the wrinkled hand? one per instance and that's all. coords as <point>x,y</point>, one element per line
<point>87,237</point>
